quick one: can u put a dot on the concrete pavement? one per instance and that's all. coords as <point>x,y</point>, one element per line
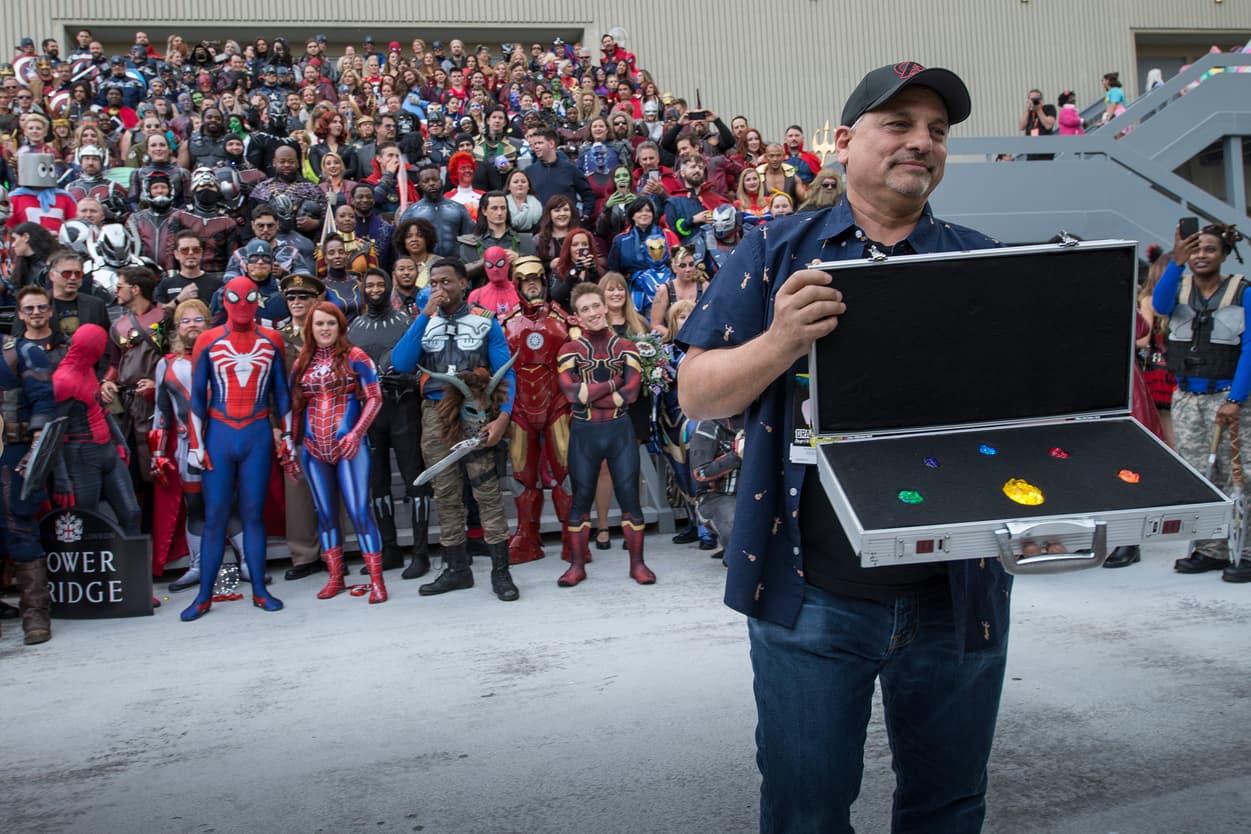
<point>605,708</point>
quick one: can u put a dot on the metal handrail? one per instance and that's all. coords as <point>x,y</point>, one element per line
<point>1117,144</point>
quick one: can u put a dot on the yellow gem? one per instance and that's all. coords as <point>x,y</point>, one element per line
<point>1023,492</point>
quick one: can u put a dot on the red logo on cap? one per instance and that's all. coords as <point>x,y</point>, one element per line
<point>907,69</point>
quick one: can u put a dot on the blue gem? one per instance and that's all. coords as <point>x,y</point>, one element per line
<point>987,450</point>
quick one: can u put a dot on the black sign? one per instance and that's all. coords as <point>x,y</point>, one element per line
<point>94,570</point>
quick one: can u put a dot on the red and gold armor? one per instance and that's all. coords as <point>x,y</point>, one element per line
<point>539,434</point>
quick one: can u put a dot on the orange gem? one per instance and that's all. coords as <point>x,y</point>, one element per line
<point>1129,476</point>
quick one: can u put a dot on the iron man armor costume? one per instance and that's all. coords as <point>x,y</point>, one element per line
<point>539,432</point>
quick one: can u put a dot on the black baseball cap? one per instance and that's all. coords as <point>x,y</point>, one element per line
<point>876,88</point>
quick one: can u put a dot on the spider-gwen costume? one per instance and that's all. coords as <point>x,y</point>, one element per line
<point>235,369</point>
<point>333,424</point>
<point>600,374</point>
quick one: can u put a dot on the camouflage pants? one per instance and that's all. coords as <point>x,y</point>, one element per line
<point>448,491</point>
<point>1194,421</point>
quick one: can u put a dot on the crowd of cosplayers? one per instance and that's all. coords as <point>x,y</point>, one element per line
<point>252,300</point>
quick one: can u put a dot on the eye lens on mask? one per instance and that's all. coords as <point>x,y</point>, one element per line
<point>501,263</point>
<point>232,296</point>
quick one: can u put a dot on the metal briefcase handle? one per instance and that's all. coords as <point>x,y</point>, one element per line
<point>1051,561</point>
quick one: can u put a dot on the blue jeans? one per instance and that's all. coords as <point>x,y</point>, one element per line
<point>814,687</point>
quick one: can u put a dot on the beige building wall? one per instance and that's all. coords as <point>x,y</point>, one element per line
<point>777,62</point>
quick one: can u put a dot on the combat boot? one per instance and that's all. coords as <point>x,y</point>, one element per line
<point>501,580</point>
<point>456,575</point>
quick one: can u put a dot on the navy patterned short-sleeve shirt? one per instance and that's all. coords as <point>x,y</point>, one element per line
<point>765,577</point>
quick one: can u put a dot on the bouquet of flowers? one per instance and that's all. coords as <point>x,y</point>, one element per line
<point>657,360</point>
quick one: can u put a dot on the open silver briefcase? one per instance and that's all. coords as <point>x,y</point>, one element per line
<point>960,388</point>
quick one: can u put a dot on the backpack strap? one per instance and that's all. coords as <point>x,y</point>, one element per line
<point>1237,283</point>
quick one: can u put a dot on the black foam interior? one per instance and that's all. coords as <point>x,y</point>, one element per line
<point>968,485</point>
<point>1018,335</point>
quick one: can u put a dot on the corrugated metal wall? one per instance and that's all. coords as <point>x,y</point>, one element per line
<point>777,62</point>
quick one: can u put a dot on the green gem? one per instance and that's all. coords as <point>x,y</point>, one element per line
<point>910,496</point>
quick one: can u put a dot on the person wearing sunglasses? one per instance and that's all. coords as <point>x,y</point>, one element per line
<point>287,258</point>
<point>34,311</point>
<point>259,262</point>
<point>687,284</point>
<point>70,307</point>
<point>826,190</point>
<point>189,281</point>
<point>29,405</point>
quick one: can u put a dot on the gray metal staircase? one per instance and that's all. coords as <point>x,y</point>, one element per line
<point>1102,186</point>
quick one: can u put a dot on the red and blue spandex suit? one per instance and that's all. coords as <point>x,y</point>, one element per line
<point>335,421</point>
<point>237,369</point>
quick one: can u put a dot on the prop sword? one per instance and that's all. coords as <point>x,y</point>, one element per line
<point>457,452</point>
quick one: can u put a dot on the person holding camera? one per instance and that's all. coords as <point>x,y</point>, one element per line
<point>1209,353</point>
<point>575,265</point>
<point>1038,120</point>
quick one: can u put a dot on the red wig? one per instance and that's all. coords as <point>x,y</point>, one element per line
<point>340,351</point>
<point>564,261</point>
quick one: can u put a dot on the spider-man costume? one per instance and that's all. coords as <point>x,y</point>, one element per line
<point>498,294</point>
<point>334,423</point>
<point>600,374</point>
<point>235,369</point>
<point>538,436</point>
<point>93,444</point>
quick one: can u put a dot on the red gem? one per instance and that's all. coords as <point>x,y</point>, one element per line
<point>1058,453</point>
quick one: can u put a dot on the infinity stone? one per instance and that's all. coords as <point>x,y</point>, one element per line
<point>910,496</point>
<point>1023,492</point>
<point>987,450</point>
<point>1129,476</point>
<point>1058,453</point>
<point>932,463</point>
